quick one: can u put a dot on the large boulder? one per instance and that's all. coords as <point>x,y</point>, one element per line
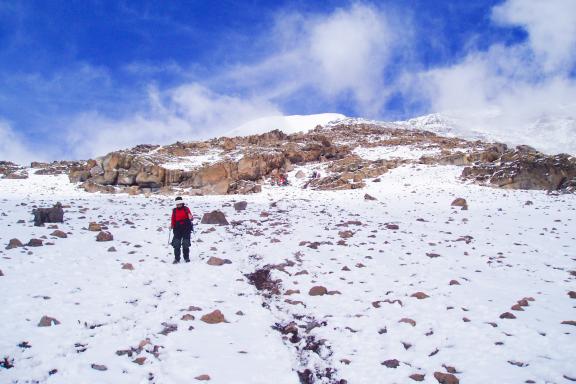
<point>214,217</point>
<point>48,215</point>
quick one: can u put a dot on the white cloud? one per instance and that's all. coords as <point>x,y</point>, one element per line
<point>185,113</point>
<point>551,28</point>
<point>339,54</point>
<point>13,147</point>
<point>521,94</point>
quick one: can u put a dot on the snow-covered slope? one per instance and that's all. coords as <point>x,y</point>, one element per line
<point>287,124</point>
<point>372,256</point>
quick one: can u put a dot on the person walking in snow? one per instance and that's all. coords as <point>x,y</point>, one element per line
<point>182,226</point>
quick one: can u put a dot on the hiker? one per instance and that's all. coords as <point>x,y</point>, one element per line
<point>182,226</point>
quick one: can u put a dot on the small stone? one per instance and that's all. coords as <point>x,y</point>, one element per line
<point>35,243</point>
<point>213,317</point>
<point>318,291</point>
<point>572,294</point>
<point>507,315</point>
<point>104,236</point>
<point>94,227</point>
<point>392,227</point>
<point>128,266</point>
<point>47,321</point>
<point>569,322</point>
<point>369,197</point>
<point>99,367</point>
<point>291,292</point>
<point>216,261</point>
<point>187,317</point>
<point>240,205</point>
<point>446,378</point>
<point>408,321</point>
<point>59,233</point>
<point>139,360</point>
<point>420,295</point>
<point>417,377</point>
<point>14,243</point>
<point>203,377</point>
<point>517,307</point>
<point>112,249</point>
<point>454,282</point>
<point>391,363</point>
<point>460,202</point>
<point>214,217</point>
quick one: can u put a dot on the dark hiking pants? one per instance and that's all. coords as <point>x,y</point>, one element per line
<point>181,239</point>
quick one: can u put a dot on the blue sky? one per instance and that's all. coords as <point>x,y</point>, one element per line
<point>79,78</point>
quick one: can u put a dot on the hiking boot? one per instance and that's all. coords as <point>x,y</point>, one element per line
<point>187,260</point>
<point>175,261</point>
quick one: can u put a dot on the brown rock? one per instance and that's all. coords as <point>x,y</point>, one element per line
<point>507,315</point>
<point>60,234</point>
<point>214,217</point>
<point>104,236</point>
<point>187,317</point>
<point>420,295</point>
<point>318,291</point>
<point>408,321</point>
<point>454,282</point>
<point>460,202</point>
<point>139,360</point>
<point>569,322</point>
<point>213,317</point>
<point>240,205</point>
<point>203,377</point>
<point>446,378</point>
<point>216,261</point>
<point>391,363</point>
<point>14,243</point>
<point>47,321</point>
<point>417,377</point>
<point>345,234</point>
<point>572,294</point>
<point>392,226</point>
<point>99,367</point>
<point>291,292</point>
<point>34,243</point>
<point>369,197</point>
<point>128,266</point>
<point>94,227</point>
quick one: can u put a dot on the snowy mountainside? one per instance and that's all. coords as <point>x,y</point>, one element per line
<point>286,124</point>
<point>402,288</point>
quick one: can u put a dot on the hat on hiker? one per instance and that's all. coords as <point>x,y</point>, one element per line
<point>179,200</point>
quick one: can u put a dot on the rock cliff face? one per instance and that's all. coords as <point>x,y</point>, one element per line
<point>349,153</point>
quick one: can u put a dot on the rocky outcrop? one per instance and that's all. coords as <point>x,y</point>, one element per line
<point>48,215</point>
<point>525,168</point>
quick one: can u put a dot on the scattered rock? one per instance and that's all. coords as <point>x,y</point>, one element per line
<point>507,315</point>
<point>216,261</point>
<point>420,295</point>
<point>569,322</point>
<point>417,377</point>
<point>213,317</point>
<point>59,233</point>
<point>94,227</point>
<point>48,215</point>
<point>454,282</point>
<point>318,291</point>
<point>460,202</point>
<point>47,321</point>
<point>14,243</point>
<point>104,236</point>
<point>572,294</point>
<point>34,243</point>
<point>187,317</point>
<point>391,363</point>
<point>168,328</point>
<point>139,360</point>
<point>112,249</point>
<point>1,273</point>
<point>392,227</point>
<point>128,266</point>
<point>99,367</point>
<point>240,205</point>
<point>369,197</point>
<point>214,217</point>
<point>203,377</point>
<point>446,378</point>
<point>408,321</point>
